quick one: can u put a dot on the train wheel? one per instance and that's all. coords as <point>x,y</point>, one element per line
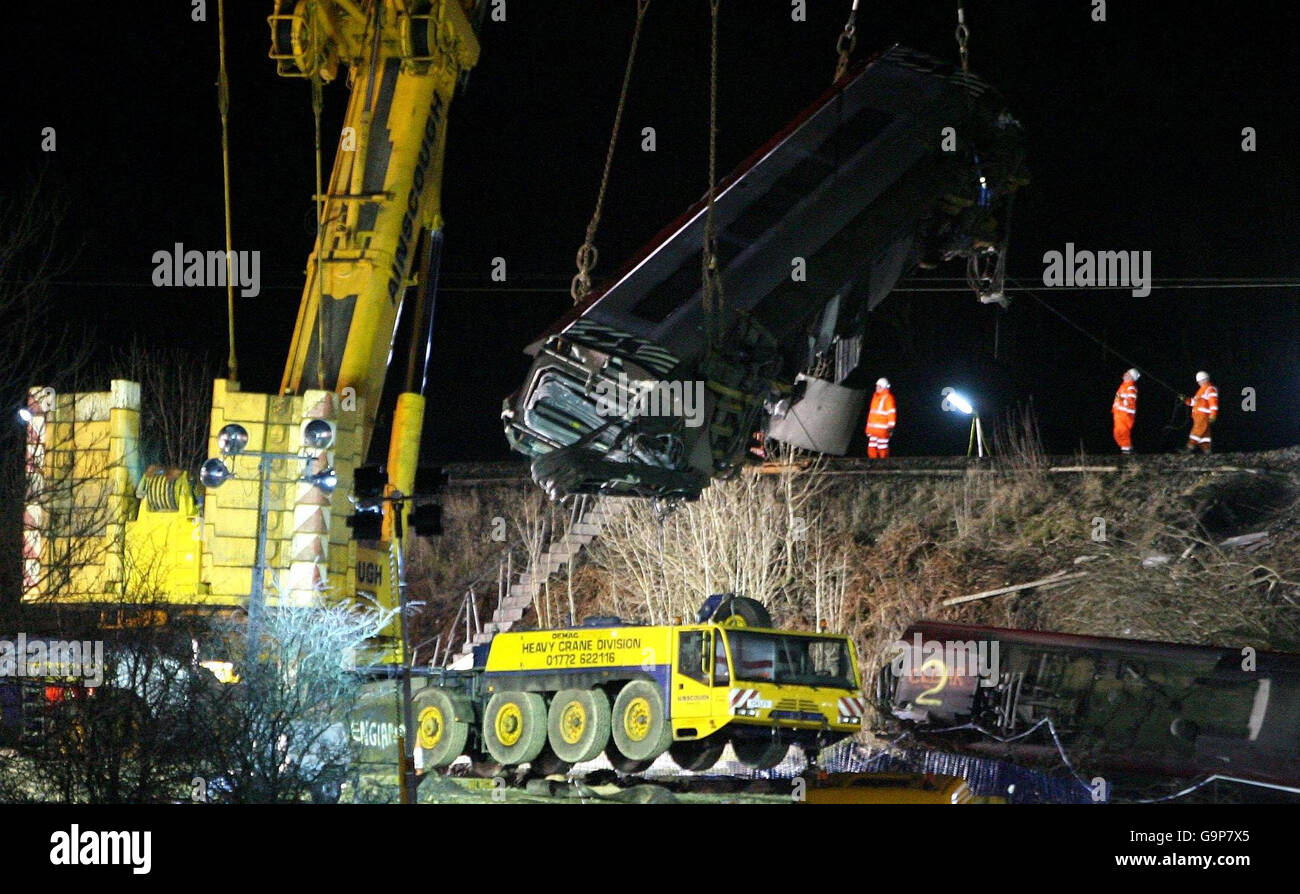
<point>697,755</point>
<point>641,729</point>
<point>441,726</point>
<point>623,765</point>
<point>514,727</point>
<point>760,754</point>
<point>578,724</point>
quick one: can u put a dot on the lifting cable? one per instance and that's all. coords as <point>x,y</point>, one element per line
<point>963,38</point>
<point>1033,293</point>
<point>711,276</point>
<point>223,105</point>
<point>317,102</point>
<point>587,254</point>
<point>847,42</point>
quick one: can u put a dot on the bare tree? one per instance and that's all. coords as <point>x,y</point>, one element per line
<point>38,350</point>
<point>175,402</point>
<point>757,535</point>
<point>128,732</point>
<point>280,734</point>
<point>533,525</point>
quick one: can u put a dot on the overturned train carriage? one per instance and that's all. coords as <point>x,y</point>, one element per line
<point>903,162</point>
<point>1132,708</point>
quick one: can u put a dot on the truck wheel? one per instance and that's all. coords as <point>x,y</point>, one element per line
<point>514,727</point>
<point>741,611</point>
<point>624,766</point>
<point>760,754</point>
<point>578,724</point>
<point>641,729</point>
<point>697,755</point>
<point>441,726</point>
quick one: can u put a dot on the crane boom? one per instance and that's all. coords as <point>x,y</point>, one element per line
<point>384,191</point>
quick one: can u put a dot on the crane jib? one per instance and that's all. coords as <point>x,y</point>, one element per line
<point>402,252</point>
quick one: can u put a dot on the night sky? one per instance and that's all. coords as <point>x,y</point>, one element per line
<point>1134,128</point>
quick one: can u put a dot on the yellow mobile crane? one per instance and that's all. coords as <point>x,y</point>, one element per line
<point>278,528</point>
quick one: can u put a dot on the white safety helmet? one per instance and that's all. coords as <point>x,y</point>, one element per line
<point>1133,374</point>
<point>882,382</point>
<point>1202,376</point>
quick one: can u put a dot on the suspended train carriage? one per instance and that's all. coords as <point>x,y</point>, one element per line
<point>904,161</point>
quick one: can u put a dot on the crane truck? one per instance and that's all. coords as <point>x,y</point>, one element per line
<point>267,522</point>
<point>553,698</point>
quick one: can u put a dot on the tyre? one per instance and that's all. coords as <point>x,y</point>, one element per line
<point>641,729</point>
<point>760,754</point>
<point>578,724</point>
<point>624,766</point>
<point>698,755</point>
<point>741,611</point>
<point>442,722</point>
<point>514,727</point>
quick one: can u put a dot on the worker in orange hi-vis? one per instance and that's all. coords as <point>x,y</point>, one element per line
<point>1124,410</point>
<point>1205,411</point>
<point>880,420</point>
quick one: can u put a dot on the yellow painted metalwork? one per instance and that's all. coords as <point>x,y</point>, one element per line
<point>404,450</point>
<point>82,456</point>
<point>697,707</point>
<point>889,788</point>
<point>164,545</point>
<point>429,725</point>
<point>405,59</point>
<point>508,724</point>
<point>573,722</point>
<point>305,532</point>
<point>385,187</point>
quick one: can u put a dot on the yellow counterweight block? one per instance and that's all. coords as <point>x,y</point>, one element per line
<point>309,554</point>
<point>82,459</point>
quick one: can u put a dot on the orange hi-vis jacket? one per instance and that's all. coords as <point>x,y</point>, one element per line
<point>1126,399</point>
<point>882,416</point>
<point>1206,400</point>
